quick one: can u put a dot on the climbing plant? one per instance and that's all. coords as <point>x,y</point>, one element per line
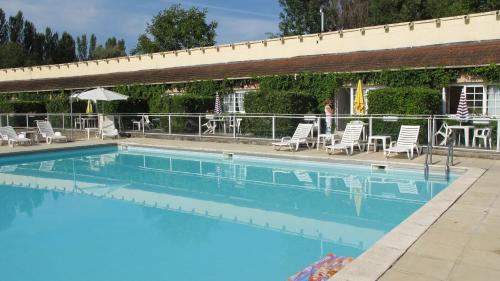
<point>319,85</point>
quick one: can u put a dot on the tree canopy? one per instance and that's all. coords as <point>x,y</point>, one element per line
<point>22,45</point>
<point>302,16</point>
<point>177,28</point>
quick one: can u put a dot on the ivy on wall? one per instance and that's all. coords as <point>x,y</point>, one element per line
<point>145,98</point>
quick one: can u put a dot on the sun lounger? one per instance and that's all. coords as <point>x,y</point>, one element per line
<point>300,136</point>
<point>108,129</point>
<point>9,134</point>
<point>350,138</point>
<point>407,142</point>
<point>45,129</point>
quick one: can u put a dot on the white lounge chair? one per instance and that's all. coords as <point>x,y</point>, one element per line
<point>300,136</point>
<point>45,129</point>
<point>108,129</point>
<point>9,134</point>
<point>350,138</point>
<point>407,142</point>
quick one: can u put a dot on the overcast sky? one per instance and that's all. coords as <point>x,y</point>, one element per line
<point>238,20</point>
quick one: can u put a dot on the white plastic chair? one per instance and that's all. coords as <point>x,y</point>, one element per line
<point>407,142</point>
<point>78,123</point>
<point>300,136</point>
<point>45,129</point>
<point>9,134</point>
<point>482,134</point>
<point>443,132</point>
<point>350,138</point>
<point>235,124</point>
<point>210,125</point>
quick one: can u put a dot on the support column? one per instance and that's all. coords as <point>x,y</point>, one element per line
<point>443,101</point>
<point>351,93</point>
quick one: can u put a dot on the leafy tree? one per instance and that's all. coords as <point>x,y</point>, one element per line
<point>445,8</point>
<point>4,28</point>
<point>112,48</point>
<point>92,46</point>
<point>300,16</point>
<point>348,14</point>
<point>303,16</point>
<point>50,51</point>
<point>66,49</point>
<point>16,25</point>
<point>11,55</point>
<point>82,47</point>
<point>22,45</point>
<point>391,11</point>
<point>176,28</point>
<point>33,44</point>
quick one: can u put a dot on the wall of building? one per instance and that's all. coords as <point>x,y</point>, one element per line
<point>475,27</point>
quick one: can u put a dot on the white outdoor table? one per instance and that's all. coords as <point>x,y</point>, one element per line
<point>322,138</point>
<point>32,135</point>
<point>372,140</point>
<point>89,122</point>
<point>92,129</point>
<point>466,130</point>
<point>222,123</point>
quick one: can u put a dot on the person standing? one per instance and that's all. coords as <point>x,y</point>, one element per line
<point>329,111</point>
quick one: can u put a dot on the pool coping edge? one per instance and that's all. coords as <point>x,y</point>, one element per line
<point>381,256</point>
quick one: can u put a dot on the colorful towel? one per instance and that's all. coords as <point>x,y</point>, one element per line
<point>322,270</point>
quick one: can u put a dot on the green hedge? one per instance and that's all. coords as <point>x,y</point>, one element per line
<point>23,107</point>
<point>277,102</point>
<point>187,103</point>
<point>416,101</point>
<point>404,101</point>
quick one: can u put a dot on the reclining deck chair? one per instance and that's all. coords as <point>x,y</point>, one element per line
<point>407,142</point>
<point>300,136</point>
<point>45,129</point>
<point>350,138</point>
<point>9,134</point>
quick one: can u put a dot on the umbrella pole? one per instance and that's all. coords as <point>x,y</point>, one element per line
<point>71,109</point>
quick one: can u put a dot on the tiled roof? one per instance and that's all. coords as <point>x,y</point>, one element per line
<point>450,55</point>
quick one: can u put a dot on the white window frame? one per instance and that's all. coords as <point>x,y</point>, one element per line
<point>495,100</point>
<point>229,101</point>
<point>366,90</point>
<point>484,98</point>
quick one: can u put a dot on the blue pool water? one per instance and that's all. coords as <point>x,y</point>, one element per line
<point>148,214</point>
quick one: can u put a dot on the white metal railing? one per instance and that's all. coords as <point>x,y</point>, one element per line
<point>477,133</point>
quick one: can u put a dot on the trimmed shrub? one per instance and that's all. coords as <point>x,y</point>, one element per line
<point>415,101</point>
<point>276,102</point>
<point>404,101</point>
<point>186,103</point>
<point>23,107</point>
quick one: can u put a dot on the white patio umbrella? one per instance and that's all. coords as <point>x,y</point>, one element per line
<point>218,107</point>
<point>462,110</point>
<point>97,94</point>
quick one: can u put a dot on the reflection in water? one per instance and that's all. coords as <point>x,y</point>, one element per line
<point>298,211</point>
<point>13,202</point>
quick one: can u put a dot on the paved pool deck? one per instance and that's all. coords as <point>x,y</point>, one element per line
<point>463,244</point>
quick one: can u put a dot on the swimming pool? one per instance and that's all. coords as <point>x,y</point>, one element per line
<point>150,214</point>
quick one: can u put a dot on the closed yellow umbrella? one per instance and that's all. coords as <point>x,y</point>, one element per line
<point>90,109</point>
<point>359,101</point>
